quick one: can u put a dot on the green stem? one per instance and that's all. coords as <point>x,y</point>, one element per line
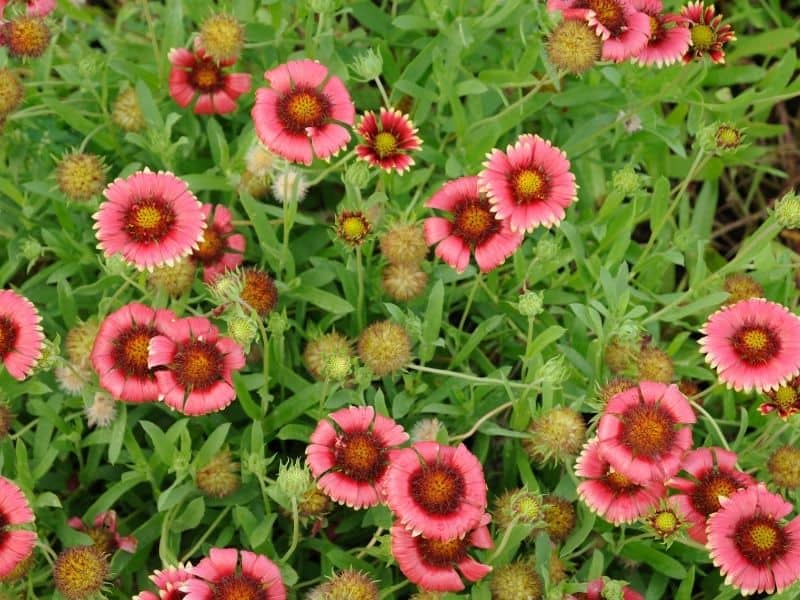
<point>481,421</point>
<point>264,361</point>
<point>206,533</point>
<point>382,90</point>
<point>503,542</point>
<point>295,531</point>
<point>473,290</point>
<point>712,422</point>
<point>475,379</point>
<point>360,297</point>
<point>323,174</point>
<point>371,543</point>
<point>389,592</point>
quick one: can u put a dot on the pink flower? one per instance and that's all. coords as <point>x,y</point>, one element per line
<point>349,453</point>
<point>473,228</point>
<point>435,490</point>
<point>21,337</point>
<point>611,494</point>
<point>199,363</point>
<point>150,218</point>
<point>643,431</point>
<point>712,475</point>
<point>196,73</point>
<point>707,34</point>
<point>753,345</point>
<point>669,36</point>
<point>15,544</point>
<point>594,591</point>
<point>34,8</point>
<point>431,564</point>
<point>119,354</point>
<point>302,113</point>
<point>529,184</point>
<point>218,238</point>
<point>388,142</point>
<point>624,29</point>
<point>751,544</point>
<point>168,583</point>
<point>104,533</point>
<point>785,400</point>
<point>216,576</point>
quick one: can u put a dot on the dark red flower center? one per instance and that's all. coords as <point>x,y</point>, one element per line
<point>620,485</point>
<point>259,291</point>
<point>761,540</point>
<point>211,247</point>
<point>149,220</point>
<point>8,336</point>
<point>609,13</point>
<point>360,456</point>
<point>442,553</point>
<point>756,344</point>
<point>709,488</point>
<point>385,144</point>
<point>438,488</point>
<point>172,594</point>
<point>474,222</point>
<point>131,348</point>
<point>238,587</point>
<point>206,76</point>
<point>703,37</point>
<point>529,185</point>
<point>302,108</point>
<point>648,430</point>
<point>198,365</point>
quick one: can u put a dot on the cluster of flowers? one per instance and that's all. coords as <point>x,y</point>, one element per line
<point>644,440</point>
<point>635,30</point>
<point>436,492</point>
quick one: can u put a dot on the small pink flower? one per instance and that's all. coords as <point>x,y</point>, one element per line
<point>196,73</point>
<point>431,564</point>
<point>611,494</point>
<point>754,548</point>
<point>624,29</point>
<point>304,112</point>
<point>707,33</point>
<point>220,249</point>
<point>785,400</point>
<point>199,363</point>
<point>669,36</point>
<point>168,583</point>
<point>388,140</point>
<point>16,544</point>
<point>753,345</point>
<point>119,354</point>
<point>594,591</point>
<point>104,533</point>
<point>473,228</point>
<point>435,490</point>
<point>529,184</point>
<point>21,337</point>
<point>217,577</point>
<point>150,218</point>
<point>34,8</point>
<point>712,475</point>
<point>645,430</point>
<point>349,453</point>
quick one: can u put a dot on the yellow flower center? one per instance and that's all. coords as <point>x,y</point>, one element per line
<point>147,217</point>
<point>385,144</point>
<point>665,522</point>
<point>529,184</point>
<point>703,37</point>
<point>785,397</point>
<point>206,76</point>
<point>755,345</point>
<point>303,108</point>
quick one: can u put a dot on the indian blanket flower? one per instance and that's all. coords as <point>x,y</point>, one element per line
<point>104,533</point>
<point>228,573</point>
<point>472,229</point>
<point>611,494</point>
<point>388,140</point>
<point>150,218</point>
<point>119,354</point>
<point>21,337</point>
<point>712,475</point>
<point>219,249</point>
<point>435,490</point>
<point>529,184</point>
<point>349,453</point>
<point>596,587</point>
<point>431,564</point>
<point>753,345</point>
<point>785,400</point>
<point>751,543</point>
<point>707,33</point>
<point>623,29</point>
<point>304,113</point>
<point>199,363</point>
<point>33,8</point>
<point>669,36</point>
<point>16,544</point>
<point>196,73</point>
<point>645,431</point>
<point>168,582</point>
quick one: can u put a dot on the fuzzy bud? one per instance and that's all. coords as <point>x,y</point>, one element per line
<point>79,342</point>
<point>278,323</point>
<point>547,248</point>
<point>102,411</point>
<point>357,175</point>
<point>6,419</point>
<point>258,291</point>
<point>367,65</point>
<point>787,211</point>
<point>126,112</point>
<point>293,479</point>
<point>79,572</point>
<point>517,506</point>
<point>530,304</point>
<point>81,176</point>
<point>654,364</point>
<point>426,430</point>
<point>784,467</point>
<point>384,348</point>
<point>26,36</point>
<point>573,46</point>
<point>242,329</point>
<point>51,354</point>
<point>222,37</point>
<point>626,181</point>
<point>403,282</point>
<point>289,186</point>
<point>555,371</point>
<point>175,280</point>
<point>404,244</point>
<point>516,580</point>
<point>612,388</point>
<point>742,287</point>
<point>220,477</point>
<point>560,518</point>
<point>314,503</point>
<point>259,160</point>
<point>31,249</point>
<point>618,355</point>
<point>325,356</point>
<point>556,435</point>
<point>11,92</point>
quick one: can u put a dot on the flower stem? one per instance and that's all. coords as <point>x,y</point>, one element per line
<point>295,531</point>
<point>360,297</point>
<point>711,422</point>
<point>481,421</point>
<point>382,90</point>
<point>474,378</point>
<point>206,533</point>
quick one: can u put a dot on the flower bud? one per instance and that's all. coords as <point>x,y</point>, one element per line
<point>126,112</point>
<point>352,227</point>
<point>530,304</point>
<point>384,348</point>
<point>573,46</point>
<point>80,572</point>
<point>787,211</point>
<point>357,175</point>
<point>404,244</point>
<point>81,176</point>
<point>289,186</point>
<point>518,579</point>
<point>220,477</point>
<point>555,371</point>
<point>11,92</point>
<point>221,37</point>
<point>367,65</point>
<point>626,181</point>
<point>242,329</point>
<point>784,467</point>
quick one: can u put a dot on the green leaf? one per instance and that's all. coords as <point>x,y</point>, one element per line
<point>190,516</point>
<point>325,300</point>
<point>642,552</point>
<point>477,336</point>
<point>212,445</point>
<point>432,322</point>
<point>218,144</point>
